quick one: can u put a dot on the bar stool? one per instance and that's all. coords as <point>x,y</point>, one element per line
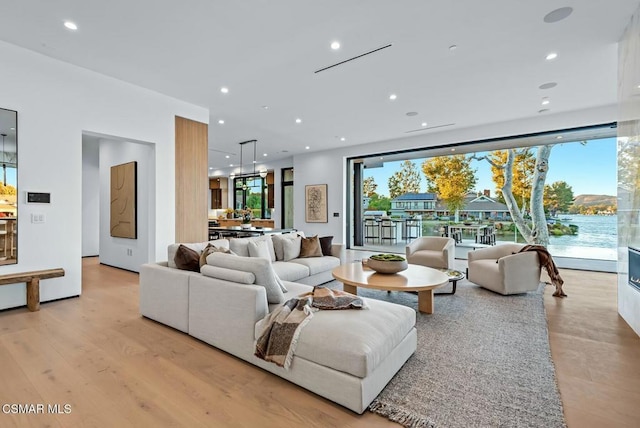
<point>455,233</point>
<point>388,230</point>
<point>371,229</point>
<point>489,236</point>
<point>13,238</point>
<point>4,236</point>
<point>412,227</point>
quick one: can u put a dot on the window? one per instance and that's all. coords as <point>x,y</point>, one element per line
<point>251,192</point>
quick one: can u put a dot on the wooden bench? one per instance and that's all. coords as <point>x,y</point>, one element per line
<point>33,283</point>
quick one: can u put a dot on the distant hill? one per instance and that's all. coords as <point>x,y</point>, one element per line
<point>595,200</point>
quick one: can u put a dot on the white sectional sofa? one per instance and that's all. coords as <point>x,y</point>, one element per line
<point>346,356</point>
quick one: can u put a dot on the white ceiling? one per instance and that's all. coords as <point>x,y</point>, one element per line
<point>266,53</point>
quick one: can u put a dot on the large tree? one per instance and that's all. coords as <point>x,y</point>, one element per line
<point>369,187</point>
<point>379,203</point>
<point>523,169</point>
<point>536,232</point>
<point>407,180</point>
<point>558,197</point>
<point>451,178</point>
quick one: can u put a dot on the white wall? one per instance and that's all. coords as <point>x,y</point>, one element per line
<point>56,102</point>
<point>628,201</point>
<point>328,167</point>
<point>90,197</point>
<point>121,252</point>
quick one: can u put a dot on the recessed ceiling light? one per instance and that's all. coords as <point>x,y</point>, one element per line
<point>13,129</point>
<point>254,162</point>
<point>70,25</point>
<point>224,90</point>
<point>412,113</point>
<point>265,155</point>
<point>230,164</point>
<point>552,55</point>
<point>548,85</point>
<point>342,139</point>
<point>210,168</point>
<point>545,101</point>
<point>307,148</point>
<point>393,97</point>
<point>423,124</point>
<point>557,15</point>
<point>453,150</point>
<point>381,157</point>
<point>335,45</point>
<point>227,157</point>
<point>265,107</point>
<point>638,88</point>
<point>559,137</point>
<point>298,120</point>
<point>221,121</point>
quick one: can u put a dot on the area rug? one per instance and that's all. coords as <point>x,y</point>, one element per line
<point>482,360</point>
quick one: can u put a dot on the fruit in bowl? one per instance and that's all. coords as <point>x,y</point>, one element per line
<point>387,263</point>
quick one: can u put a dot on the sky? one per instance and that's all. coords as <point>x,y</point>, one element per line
<point>589,169</point>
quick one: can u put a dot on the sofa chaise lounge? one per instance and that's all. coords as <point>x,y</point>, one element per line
<point>346,356</point>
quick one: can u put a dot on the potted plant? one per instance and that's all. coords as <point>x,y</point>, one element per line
<point>387,263</point>
<point>245,214</point>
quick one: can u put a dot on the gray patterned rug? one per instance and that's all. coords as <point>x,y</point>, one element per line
<point>482,360</point>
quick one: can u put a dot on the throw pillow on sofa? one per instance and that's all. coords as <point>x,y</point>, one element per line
<point>210,249</point>
<point>310,247</point>
<point>325,245</point>
<point>259,249</point>
<point>240,246</point>
<point>187,259</point>
<point>261,268</point>
<point>196,246</point>
<point>278,242</point>
<point>290,248</point>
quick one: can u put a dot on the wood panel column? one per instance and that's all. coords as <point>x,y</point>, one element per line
<point>192,180</point>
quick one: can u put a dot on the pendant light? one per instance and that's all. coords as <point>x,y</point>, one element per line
<point>244,185</point>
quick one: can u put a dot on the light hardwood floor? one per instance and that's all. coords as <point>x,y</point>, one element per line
<point>115,368</point>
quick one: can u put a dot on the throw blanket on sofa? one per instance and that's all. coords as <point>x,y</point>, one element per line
<point>329,299</point>
<point>282,327</point>
<point>280,331</point>
<point>546,261</point>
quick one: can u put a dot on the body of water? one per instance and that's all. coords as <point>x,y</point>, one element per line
<point>597,238</point>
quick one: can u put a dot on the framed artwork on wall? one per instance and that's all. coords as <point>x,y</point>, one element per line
<point>315,199</point>
<point>123,200</point>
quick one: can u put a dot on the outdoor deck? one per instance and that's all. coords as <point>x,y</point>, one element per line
<point>581,258</point>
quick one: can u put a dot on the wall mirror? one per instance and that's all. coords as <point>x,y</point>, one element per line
<point>9,187</point>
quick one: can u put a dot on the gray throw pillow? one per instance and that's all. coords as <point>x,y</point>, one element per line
<point>261,268</point>
<point>291,248</point>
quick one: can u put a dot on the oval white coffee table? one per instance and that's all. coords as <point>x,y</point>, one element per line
<point>416,278</point>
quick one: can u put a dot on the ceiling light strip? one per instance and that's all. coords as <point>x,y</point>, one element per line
<point>355,57</point>
<point>430,127</point>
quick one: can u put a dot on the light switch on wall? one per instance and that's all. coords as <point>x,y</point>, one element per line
<point>38,218</point>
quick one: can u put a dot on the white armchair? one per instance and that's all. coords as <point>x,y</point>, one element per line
<point>499,269</point>
<point>432,251</point>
